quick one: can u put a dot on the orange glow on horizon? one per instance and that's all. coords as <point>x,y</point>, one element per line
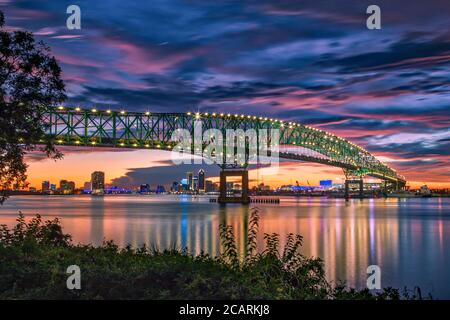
<point>78,165</point>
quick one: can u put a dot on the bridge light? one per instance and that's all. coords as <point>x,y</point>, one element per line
<point>77,142</point>
<point>77,109</point>
<point>108,111</point>
<point>188,113</point>
<point>122,112</point>
<point>221,114</point>
<point>93,142</point>
<point>61,107</point>
<point>122,144</point>
<point>134,145</point>
<point>197,115</point>
<point>60,141</point>
<point>214,114</point>
<point>206,114</point>
<point>147,113</point>
<point>94,110</point>
<point>146,145</point>
<point>158,146</point>
<point>228,115</point>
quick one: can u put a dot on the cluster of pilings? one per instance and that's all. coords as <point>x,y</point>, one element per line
<point>265,200</point>
<point>251,200</point>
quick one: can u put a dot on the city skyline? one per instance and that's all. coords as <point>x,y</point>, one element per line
<point>164,171</point>
<point>192,182</point>
<point>385,90</point>
<point>200,183</point>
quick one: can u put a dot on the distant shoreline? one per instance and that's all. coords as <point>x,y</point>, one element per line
<point>28,193</point>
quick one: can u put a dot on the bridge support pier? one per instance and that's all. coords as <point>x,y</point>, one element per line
<point>360,183</point>
<point>223,196</point>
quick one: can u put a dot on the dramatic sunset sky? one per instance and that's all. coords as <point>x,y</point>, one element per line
<point>313,62</point>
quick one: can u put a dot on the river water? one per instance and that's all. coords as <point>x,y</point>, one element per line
<point>408,238</point>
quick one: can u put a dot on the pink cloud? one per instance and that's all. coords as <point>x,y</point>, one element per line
<point>26,14</point>
<point>74,73</point>
<point>139,60</point>
<point>45,31</point>
<point>68,36</point>
<point>77,60</point>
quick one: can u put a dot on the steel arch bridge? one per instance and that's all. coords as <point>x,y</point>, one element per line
<point>148,130</point>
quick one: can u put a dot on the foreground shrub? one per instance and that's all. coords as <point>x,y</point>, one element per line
<point>34,257</point>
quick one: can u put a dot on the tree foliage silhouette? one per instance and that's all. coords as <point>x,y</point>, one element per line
<point>30,81</point>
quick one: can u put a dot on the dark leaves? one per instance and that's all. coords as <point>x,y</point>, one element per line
<point>34,257</point>
<point>30,82</point>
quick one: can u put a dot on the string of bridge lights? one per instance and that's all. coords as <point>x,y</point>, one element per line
<point>198,115</point>
<point>291,125</point>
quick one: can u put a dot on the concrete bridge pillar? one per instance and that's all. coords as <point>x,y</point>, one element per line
<point>360,184</point>
<point>347,190</point>
<point>223,196</point>
<point>361,188</point>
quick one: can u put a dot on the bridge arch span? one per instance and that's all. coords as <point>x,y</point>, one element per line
<point>149,130</point>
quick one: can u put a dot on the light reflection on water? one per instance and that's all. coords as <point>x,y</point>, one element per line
<point>408,238</point>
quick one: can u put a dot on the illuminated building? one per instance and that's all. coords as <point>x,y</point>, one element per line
<point>201,180</point>
<point>144,188</point>
<point>98,182</point>
<point>45,186</point>
<point>190,179</point>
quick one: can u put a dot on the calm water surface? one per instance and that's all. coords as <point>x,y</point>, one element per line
<point>408,238</point>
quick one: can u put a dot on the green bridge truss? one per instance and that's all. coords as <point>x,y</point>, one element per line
<point>148,130</point>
